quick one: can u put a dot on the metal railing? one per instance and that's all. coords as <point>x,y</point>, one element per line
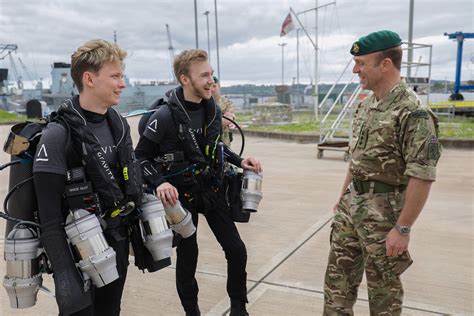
<point>338,108</point>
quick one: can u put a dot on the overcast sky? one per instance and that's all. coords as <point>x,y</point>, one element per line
<point>49,31</point>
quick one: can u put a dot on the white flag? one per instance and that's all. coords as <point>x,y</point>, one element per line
<point>287,25</point>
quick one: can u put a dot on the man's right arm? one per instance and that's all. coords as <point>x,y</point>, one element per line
<point>148,149</point>
<point>146,152</point>
<point>345,185</point>
<point>49,174</point>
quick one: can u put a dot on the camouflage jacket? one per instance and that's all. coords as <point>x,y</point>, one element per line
<point>225,104</point>
<point>394,138</point>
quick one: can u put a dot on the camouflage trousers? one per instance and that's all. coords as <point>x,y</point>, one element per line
<point>358,236</point>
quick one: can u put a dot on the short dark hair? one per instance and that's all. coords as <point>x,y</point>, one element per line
<point>394,54</point>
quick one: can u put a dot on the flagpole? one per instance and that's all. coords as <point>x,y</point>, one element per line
<point>315,45</point>
<point>316,92</point>
<point>196,24</point>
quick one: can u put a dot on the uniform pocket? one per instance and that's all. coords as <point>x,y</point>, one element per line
<point>389,268</point>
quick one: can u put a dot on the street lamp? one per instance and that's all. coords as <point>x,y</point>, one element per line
<point>282,62</point>
<point>208,40</point>
<point>196,24</point>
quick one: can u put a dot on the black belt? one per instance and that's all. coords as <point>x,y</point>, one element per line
<point>378,187</point>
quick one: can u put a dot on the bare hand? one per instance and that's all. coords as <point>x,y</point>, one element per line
<point>167,194</point>
<point>396,243</point>
<point>226,122</point>
<point>335,207</point>
<point>251,163</point>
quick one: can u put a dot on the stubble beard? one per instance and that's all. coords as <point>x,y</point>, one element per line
<point>198,92</point>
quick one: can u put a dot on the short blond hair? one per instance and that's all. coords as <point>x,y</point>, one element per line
<point>92,56</point>
<point>183,61</point>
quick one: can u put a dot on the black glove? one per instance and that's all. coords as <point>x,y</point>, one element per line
<point>69,286</point>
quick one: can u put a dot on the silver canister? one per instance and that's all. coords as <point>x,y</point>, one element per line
<point>251,193</point>
<point>97,258</point>
<point>180,220</point>
<point>23,278</point>
<point>157,236</point>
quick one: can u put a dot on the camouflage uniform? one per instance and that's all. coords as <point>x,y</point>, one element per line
<point>392,140</point>
<point>226,105</point>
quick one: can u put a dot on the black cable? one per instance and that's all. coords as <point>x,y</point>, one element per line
<point>241,134</point>
<point>17,186</point>
<point>11,163</point>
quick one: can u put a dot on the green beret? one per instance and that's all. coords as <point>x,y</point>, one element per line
<point>375,42</point>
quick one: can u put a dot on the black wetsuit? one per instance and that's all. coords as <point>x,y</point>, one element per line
<point>51,162</point>
<point>161,137</point>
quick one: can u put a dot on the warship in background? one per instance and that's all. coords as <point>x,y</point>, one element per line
<point>135,97</point>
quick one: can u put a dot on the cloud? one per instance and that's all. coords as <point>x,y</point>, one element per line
<point>50,30</point>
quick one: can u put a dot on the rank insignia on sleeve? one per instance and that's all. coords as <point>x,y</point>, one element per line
<point>433,149</point>
<point>363,136</point>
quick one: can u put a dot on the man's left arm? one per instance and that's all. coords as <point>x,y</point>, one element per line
<point>421,151</point>
<point>415,198</point>
<point>249,163</point>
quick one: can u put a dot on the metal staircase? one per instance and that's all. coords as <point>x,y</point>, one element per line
<point>336,116</point>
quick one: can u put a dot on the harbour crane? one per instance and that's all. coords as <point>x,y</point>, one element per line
<point>18,80</point>
<point>459,37</point>
<point>7,49</point>
<point>27,72</point>
<point>170,48</point>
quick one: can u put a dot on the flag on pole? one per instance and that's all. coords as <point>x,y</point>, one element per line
<point>287,25</point>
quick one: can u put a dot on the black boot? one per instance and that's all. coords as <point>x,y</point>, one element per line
<point>194,312</point>
<point>237,308</point>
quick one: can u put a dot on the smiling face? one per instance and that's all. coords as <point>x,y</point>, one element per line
<point>107,84</point>
<point>369,69</point>
<point>198,83</point>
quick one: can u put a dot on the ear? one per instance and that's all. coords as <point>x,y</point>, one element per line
<point>88,79</point>
<point>387,64</point>
<point>184,80</point>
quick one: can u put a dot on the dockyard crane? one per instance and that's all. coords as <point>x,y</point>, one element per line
<point>459,36</point>
<point>7,49</point>
<point>170,48</point>
<point>18,80</point>
<point>27,72</point>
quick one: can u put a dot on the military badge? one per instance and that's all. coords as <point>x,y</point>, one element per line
<point>355,48</point>
<point>433,149</point>
<point>363,136</point>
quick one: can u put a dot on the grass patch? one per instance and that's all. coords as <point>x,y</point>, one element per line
<point>456,127</point>
<point>6,117</point>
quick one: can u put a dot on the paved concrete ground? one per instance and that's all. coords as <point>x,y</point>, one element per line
<point>288,242</point>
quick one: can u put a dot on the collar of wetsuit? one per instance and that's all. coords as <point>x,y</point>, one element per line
<point>94,117</point>
<point>190,106</point>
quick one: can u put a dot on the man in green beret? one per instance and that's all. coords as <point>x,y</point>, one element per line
<point>394,153</point>
<point>227,109</point>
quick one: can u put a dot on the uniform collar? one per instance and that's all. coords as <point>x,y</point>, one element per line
<point>385,103</point>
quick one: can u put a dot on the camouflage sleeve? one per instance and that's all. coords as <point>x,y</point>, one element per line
<point>420,146</point>
<point>226,105</point>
